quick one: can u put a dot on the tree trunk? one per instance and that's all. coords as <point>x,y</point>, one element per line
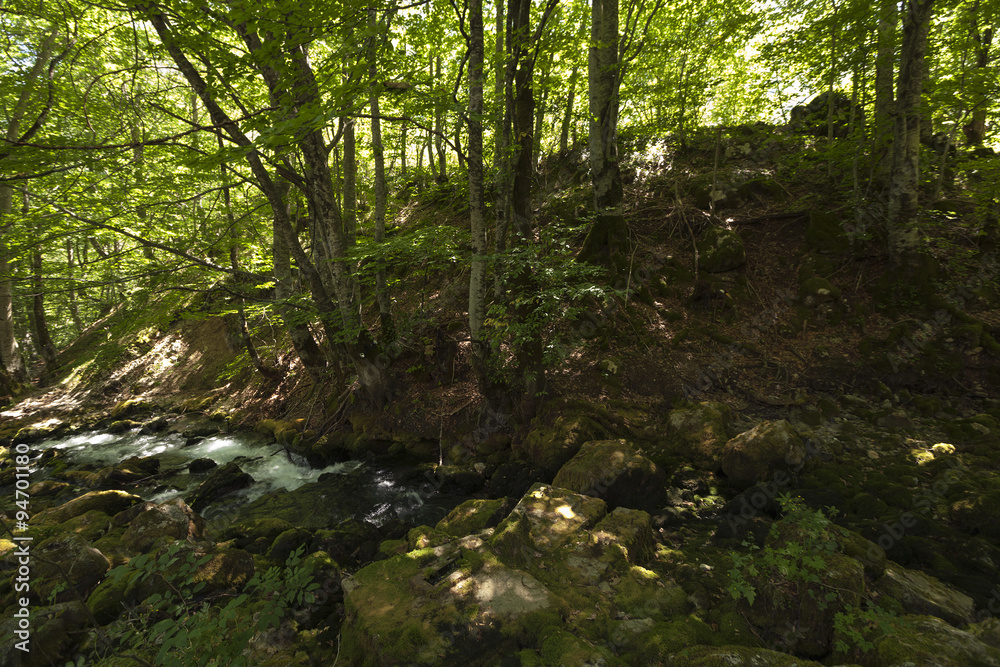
<point>607,240</point>
<point>477,276</point>
<point>350,184</point>
<point>568,114</point>
<point>904,246</point>
<point>975,130</point>
<point>10,353</point>
<point>388,330</point>
<point>502,82</point>
<point>884,94</point>
<point>71,291</point>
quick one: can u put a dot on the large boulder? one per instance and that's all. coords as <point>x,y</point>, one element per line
<point>473,516</point>
<point>551,586</point>
<point>558,432</point>
<point>921,593</point>
<point>698,433</point>
<point>927,641</point>
<point>220,482</point>
<point>173,519</point>
<point>720,250</point>
<point>616,472</point>
<point>66,560</point>
<point>757,455</point>
<point>736,656</point>
<point>107,502</point>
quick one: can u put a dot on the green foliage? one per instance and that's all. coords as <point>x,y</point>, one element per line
<point>807,539</point>
<point>800,561</point>
<point>192,629</point>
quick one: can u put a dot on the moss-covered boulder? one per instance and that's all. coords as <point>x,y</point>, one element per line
<point>225,570</point>
<point>698,432</point>
<point>616,472</point>
<point>256,535</point>
<point>544,519</point>
<point>929,641</point>
<point>70,556</point>
<point>473,516</point>
<point>549,586</point>
<point>758,454</point>
<point>720,250</point>
<point>90,526</point>
<point>55,632</point>
<point>172,519</point>
<point>978,513</point>
<point>815,291</point>
<point>131,408</point>
<point>921,593</point>
<point>736,656</point>
<point>287,542</point>
<point>558,432</point>
<point>220,482</point>
<point>107,502</point>
<point>414,609</point>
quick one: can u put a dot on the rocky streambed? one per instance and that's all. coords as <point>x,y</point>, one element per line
<point>840,532</point>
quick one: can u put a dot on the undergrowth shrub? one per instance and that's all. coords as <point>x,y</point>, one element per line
<point>190,628</point>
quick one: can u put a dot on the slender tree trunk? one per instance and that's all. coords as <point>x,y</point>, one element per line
<point>607,239</point>
<point>502,82</point>
<point>477,277</point>
<point>904,246</point>
<point>540,118</point>
<point>39,322</point>
<point>885,58</point>
<point>568,113</point>
<point>975,130</point>
<point>442,156</point>
<point>402,153</point>
<point>10,353</point>
<point>388,331</point>
<point>350,184</point>
<point>71,291</point>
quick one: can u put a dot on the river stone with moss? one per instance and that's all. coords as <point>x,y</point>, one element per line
<point>616,472</point>
<point>766,450</point>
<point>548,585</point>
<point>720,250</point>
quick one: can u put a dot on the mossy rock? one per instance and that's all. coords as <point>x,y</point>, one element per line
<point>765,450</point>
<point>131,407</point>
<point>697,434</point>
<point>56,632</point>
<point>91,525</point>
<point>720,250</point>
<point>558,432</point>
<point>736,656</point>
<point>926,640</point>
<point>220,482</point>
<point>816,291</point>
<point>545,519</point>
<point>472,516</point>
<point>226,570</point>
<point>123,426</point>
<point>172,519</point>
<point>107,502</point>
<point>70,556</point>
<point>256,535</point>
<point>561,647</point>
<point>424,537</point>
<point>287,542</point>
<point>921,593</point>
<point>616,472</point>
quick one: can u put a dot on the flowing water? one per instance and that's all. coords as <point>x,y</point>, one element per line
<point>340,491</point>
